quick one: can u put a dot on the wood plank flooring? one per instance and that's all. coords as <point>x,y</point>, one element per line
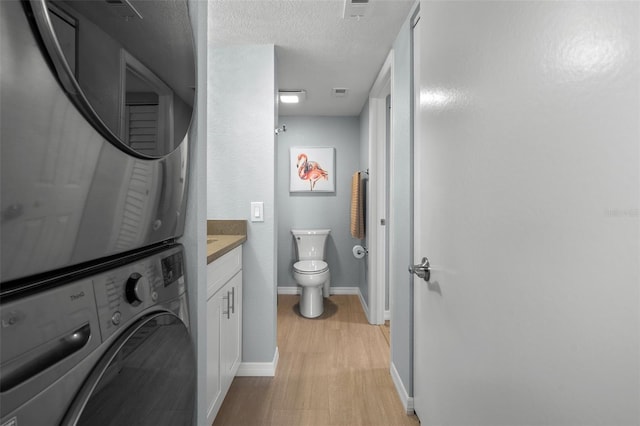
<point>386,332</point>
<point>333,371</point>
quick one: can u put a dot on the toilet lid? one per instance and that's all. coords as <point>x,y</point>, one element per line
<point>310,266</point>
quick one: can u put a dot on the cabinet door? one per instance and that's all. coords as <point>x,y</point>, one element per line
<point>231,330</point>
<point>214,394</point>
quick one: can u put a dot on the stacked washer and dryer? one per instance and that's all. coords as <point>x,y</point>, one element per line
<point>96,101</point>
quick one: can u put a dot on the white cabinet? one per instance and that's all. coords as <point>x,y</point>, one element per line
<point>224,327</point>
<point>230,330</point>
<point>213,355</point>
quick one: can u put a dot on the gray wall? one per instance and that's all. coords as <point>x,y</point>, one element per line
<point>364,165</point>
<point>319,210</point>
<point>241,169</point>
<point>400,214</point>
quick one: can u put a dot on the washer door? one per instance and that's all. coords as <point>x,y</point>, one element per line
<point>148,377</point>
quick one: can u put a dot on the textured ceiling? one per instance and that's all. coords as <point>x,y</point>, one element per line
<point>316,49</point>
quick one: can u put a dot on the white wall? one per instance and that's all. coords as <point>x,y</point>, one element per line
<point>319,210</point>
<point>194,238</point>
<point>241,169</point>
<point>530,112</point>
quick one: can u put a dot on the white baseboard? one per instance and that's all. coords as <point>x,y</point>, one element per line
<point>407,401</point>
<point>365,307</point>
<point>259,369</point>
<point>387,315</point>
<point>344,290</point>
<point>332,290</point>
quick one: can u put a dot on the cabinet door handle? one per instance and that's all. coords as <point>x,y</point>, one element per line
<point>233,300</point>
<point>228,311</point>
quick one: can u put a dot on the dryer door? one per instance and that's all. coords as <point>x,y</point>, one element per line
<point>129,67</point>
<point>148,377</point>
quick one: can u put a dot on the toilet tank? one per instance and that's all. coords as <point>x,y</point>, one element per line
<point>311,243</point>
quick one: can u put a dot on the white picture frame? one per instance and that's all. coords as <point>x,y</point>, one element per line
<point>312,169</point>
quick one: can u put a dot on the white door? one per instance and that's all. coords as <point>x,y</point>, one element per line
<point>527,203</point>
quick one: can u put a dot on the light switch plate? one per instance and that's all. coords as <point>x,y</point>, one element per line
<point>257,211</point>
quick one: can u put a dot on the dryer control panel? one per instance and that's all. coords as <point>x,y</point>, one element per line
<point>124,292</point>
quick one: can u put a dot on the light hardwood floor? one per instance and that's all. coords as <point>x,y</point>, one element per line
<point>333,371</point>
<point>386,331</point>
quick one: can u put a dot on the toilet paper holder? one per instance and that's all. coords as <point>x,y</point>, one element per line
<point>359,251</point>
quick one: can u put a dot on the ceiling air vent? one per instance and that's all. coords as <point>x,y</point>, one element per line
<point>124,9</point>
<point>339,92</point>
<point>355,9</point>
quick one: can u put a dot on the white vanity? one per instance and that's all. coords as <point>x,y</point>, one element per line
<point>224,320</point>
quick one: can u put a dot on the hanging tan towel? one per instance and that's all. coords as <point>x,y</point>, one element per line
<point>357,207</point>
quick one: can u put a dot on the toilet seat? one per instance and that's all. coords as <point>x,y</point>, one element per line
<point>310,266</point>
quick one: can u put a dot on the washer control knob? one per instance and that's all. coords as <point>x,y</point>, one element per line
<point>154,296</point>
<point>116,317</point>
<point>134,289</point>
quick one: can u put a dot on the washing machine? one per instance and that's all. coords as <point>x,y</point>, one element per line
<point>110,347</point>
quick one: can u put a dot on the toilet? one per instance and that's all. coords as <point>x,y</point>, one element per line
<point>311,272</point>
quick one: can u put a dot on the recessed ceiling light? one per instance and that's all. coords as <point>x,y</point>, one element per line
<point>291,96</point>
<point>289,99</point>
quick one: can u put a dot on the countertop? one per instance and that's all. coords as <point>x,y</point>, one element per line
<point>218,245</point>
<point>223,236</point>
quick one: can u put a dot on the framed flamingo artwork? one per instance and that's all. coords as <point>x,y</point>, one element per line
<point>312,169</point>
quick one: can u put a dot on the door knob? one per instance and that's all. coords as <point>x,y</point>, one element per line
<point>422,270</point>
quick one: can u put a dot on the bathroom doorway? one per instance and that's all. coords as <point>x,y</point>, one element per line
<point>378,204</point>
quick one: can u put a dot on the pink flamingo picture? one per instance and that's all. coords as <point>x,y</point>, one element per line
<point>310,170</point>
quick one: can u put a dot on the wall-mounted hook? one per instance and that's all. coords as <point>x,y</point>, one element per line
<point>281,129</point>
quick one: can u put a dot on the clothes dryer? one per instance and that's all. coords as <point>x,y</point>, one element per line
<point>95,109</point>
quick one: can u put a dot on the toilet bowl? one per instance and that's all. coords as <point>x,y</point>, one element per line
<point>311,272</point>
<point>313,276</point>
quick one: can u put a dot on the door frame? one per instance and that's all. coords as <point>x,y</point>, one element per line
<point>377,194</point>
